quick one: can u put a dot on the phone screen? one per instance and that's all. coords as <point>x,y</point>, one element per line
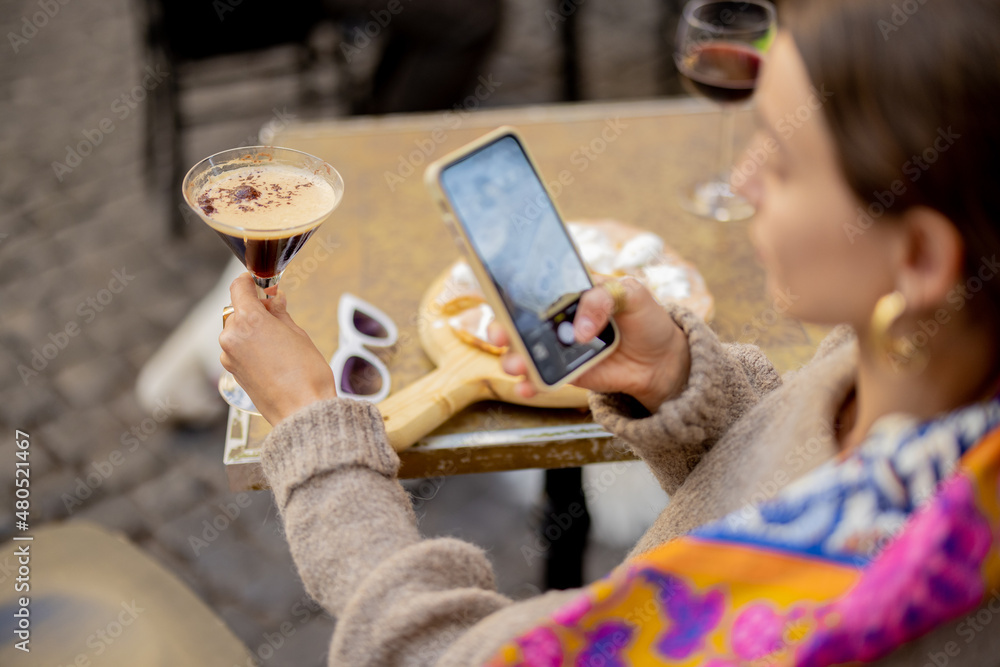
<point>515,230</point>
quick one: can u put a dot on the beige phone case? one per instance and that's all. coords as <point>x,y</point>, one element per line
<point>432,178</point>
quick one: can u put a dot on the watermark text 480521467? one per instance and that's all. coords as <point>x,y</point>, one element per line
<point>22,549</point>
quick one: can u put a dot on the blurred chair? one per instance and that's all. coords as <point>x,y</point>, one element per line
<point>96,599</point>
<point>568,12</point>
<point>429,54</point>
<point>180,34</point>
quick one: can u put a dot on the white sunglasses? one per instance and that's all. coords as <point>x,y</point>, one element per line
<point>359,373</point>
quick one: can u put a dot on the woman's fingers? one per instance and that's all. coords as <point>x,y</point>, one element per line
<point>247,313</point>
<point>597,306</point>
<point>497,334</point>
<point>278,306</point>
<point>510,362</point>
<point>513,364</point>
<point>250,307</point>
<point>243,294</point>
<point>526,389</point>
<point>592,313</point>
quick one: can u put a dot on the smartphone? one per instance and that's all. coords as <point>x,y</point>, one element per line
<point>501,214</point>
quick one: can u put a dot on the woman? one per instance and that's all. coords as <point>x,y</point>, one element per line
<point>873,212</point>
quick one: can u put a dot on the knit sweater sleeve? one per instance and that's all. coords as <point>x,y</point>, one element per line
<point>398,600</point>
<point>725,381</point>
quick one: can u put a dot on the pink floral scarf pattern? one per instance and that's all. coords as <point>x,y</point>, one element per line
<point>731,595</point>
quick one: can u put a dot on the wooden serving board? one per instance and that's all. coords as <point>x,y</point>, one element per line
<point>464,375</point>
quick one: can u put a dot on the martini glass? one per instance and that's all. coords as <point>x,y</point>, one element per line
<point>249,197</point>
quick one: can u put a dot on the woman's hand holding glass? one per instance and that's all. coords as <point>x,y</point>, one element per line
<point>651,363</point>
<point>272,358</point>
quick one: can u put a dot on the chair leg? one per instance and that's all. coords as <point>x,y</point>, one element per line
<point>306,60</point>
<point>670,11</point>
<point>153,113</point>
<point>570,57</point>
<point>175,160</point>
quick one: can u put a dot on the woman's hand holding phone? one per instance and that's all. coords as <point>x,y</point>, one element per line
<point>651,363</point>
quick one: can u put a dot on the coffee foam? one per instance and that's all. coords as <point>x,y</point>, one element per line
<point>266,201</point>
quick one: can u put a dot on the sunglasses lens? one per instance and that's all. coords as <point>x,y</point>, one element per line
<point>369,326</point>
<point>360,378</point>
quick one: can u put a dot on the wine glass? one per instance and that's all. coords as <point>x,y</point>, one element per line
<point>719,49</point>
<point>264,202</point>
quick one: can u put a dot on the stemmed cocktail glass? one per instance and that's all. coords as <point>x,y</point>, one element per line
<point>264,202</point>
<point>719,49</point>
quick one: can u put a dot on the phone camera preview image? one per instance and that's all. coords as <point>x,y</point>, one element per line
<point>514,229</point>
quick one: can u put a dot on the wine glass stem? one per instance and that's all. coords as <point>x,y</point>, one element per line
<point>728,140</point>
<point>267,288</point>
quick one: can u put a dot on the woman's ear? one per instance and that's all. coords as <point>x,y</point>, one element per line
<point>931,257</point>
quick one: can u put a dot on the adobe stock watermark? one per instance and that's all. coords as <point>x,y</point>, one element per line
<point>363,36</point>
<point>913,169</point>
<point>7,570</point>
<point>320,250</point>
<point>31,25</point>
<point>755,328</point>
<point>564,10</point>
<point>452,119</point>
<point>100,471</point>
<point>560,523</point>
<point>104,637</point>
<point>121,108</point>
<point>901,13</point>
<point>581,158</point>
<point>425,490</point>
<point>556,524</point>
<point>304,610</point>
<point>280,119</point>
<point>88,309</point>
<point>793,463</point>
<point>223,7</point>
<point>786,126</point>
<point>211,529</point>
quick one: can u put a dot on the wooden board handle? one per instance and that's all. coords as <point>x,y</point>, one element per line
<point>421,407</point>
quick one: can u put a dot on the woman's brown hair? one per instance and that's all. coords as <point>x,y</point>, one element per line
<point>915,101</point>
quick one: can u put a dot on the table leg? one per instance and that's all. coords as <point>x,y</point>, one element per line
<point>564,486</point>
<point>565,528</point>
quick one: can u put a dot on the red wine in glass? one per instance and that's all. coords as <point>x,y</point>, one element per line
<point>719,52</point>
<point>725,72</point>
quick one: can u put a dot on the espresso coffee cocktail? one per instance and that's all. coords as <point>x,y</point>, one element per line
<point>265,202</point>
<point>268,203</point>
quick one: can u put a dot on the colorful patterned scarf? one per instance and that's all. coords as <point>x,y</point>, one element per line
<point>844,565</point>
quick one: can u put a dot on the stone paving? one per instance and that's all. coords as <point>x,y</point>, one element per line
<point>93,284</point>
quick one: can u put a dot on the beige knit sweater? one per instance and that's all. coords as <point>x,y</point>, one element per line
<point>736,434</point>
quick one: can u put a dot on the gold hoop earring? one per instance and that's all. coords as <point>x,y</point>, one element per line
<point>899,352</point>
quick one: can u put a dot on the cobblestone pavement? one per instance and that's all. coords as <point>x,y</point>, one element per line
<point>92,284</point>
